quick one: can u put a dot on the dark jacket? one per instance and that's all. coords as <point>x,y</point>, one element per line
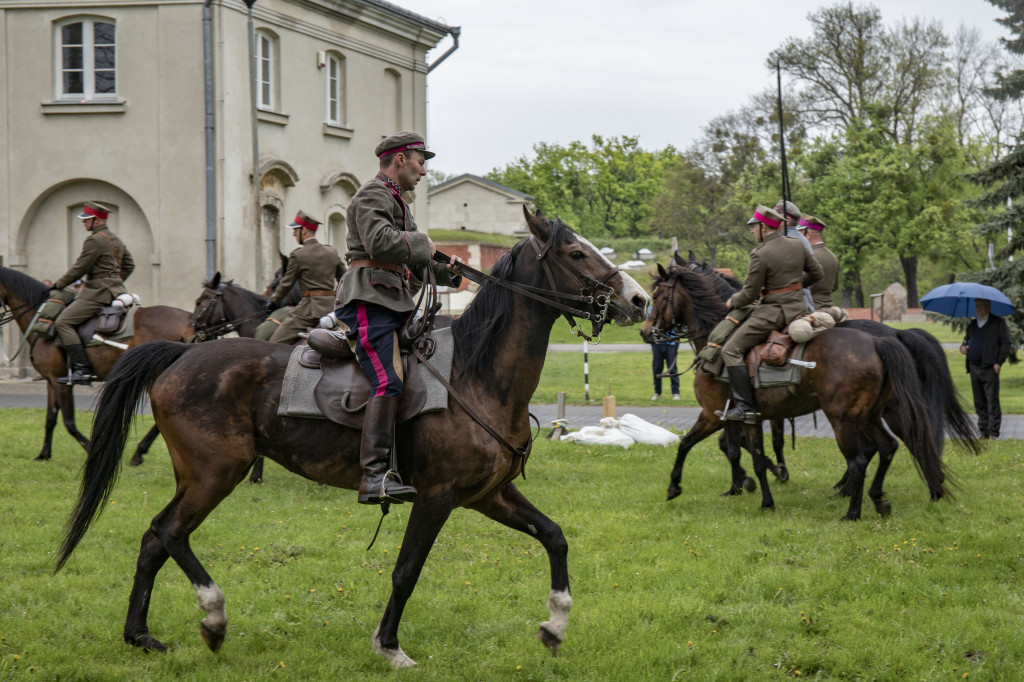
<point>994,338</point>
<point>105,257</point>
<point>778,262</point>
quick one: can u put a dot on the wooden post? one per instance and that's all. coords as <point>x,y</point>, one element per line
<point>559,423</point>
<point>609,406</point>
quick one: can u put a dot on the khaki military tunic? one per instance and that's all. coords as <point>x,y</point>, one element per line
<point>381,228</point>
<point>776,263</point>
<point>317,268</point>
<point>823,289</point>
<point>104,264</point>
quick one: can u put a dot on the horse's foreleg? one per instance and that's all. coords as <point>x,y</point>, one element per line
<point>66,403</point>
<point>755,443</point>
<point>143,446</point>
<point>256,475</point>
<point>52,410</point>
<point>729,442</point>
<point>706,424</point>
<point>427,518</point>
<point>509,507</point>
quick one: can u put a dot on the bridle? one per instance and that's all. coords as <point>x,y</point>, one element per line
<point>211,321</point>
<point>593,292</point>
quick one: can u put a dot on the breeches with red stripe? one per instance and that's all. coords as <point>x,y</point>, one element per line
<point>374,329</point>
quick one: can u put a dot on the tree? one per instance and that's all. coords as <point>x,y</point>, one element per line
<point>605,190</point>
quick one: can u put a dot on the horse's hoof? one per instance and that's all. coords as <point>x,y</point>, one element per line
<point>883,507</point>
<point>732,492</point>
<point>749,484</point>
<point>395,656</point>
<point>674,491</point>
<point>213,638</point>
<point>782,473</point>
<point>851,517</point>
<point>550,640</point>
<point>768,507</point>
<point>147,642</point>
<point>42,457</point>
<point>135,461</point>
<point>255,481</point>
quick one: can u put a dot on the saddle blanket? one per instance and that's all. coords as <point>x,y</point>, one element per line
<point>297,386</point>
<point>768,375</point>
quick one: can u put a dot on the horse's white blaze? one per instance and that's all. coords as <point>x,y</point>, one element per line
<point>211,600</point>
<point>396,657</point>
<point>559,604</point>
<point>630,287</point>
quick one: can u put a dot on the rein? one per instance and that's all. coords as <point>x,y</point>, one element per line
<point>592,291</point>
<point>8,314</point>
<point>205,331</point>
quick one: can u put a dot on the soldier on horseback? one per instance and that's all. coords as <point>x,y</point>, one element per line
<point>776,274</point>
<point>823,290</point>
<point>375,297</point>
<point>104,264</point>
<point>317,268</point>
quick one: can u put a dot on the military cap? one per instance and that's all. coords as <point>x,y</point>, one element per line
<point>94,210</point>
<point>402,142</point>
<point>809,221</point>
<point>304,220</point>
<point>768,216</point>
<point>791,209</point>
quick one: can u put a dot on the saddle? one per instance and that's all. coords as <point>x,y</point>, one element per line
<point>110,321</point>
<point>343,388</point>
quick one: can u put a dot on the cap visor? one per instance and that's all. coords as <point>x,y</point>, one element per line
<point>753,221</point>
<point>428,155</point>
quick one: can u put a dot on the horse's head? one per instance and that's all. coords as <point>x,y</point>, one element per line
<point>295,295</point>
<point>586,278</point>
<point>209,311</point>
<point>685,304</point>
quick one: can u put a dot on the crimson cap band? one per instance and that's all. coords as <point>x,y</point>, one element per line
<point>303,219</point>
<point>812,223</point>
<point>768,216</point>
<point>93,210</point>
<point>402,142</point>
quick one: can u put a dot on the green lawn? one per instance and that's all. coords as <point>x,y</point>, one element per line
<point>703,587</point>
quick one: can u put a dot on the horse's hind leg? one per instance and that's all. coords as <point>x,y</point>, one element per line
<point>143,447</point>
<point>152,556</point>
<point>509,507</point>
<point>729,442</point>
<point>52,410</point>
<point>755,443</point>
<point>778,427</point>
<point>256,475</point>
<point>168,536</point>
<point>857,450</point>
<point>427,518</point>
<point>66,402</point>
<point>887,446</point>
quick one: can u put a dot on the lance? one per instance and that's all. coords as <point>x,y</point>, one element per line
<point>785,183</point>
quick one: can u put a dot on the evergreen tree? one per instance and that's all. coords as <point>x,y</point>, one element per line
<point>1004,182</point>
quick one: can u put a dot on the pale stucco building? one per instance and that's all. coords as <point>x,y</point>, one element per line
<point>469,202</point>
<point>106,101</point>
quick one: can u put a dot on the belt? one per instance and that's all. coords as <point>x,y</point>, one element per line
<point>103,275</point>
<point>383,264</point>
<point>795,286</point>
<point>318,292</point>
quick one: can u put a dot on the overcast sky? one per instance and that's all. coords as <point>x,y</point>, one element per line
<point>555,71</point>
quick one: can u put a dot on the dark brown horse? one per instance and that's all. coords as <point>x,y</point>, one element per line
<point>216,405</point>
<point>20,297</point>
<point>856,379</point>
<point>944,403</point>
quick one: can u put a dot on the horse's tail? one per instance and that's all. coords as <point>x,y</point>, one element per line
<point>915,416</point>
<point>937,384</point>
<point>124,390</point>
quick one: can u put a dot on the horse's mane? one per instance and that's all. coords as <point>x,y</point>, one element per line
<point>231,284</point>
<point>486,319</point>
<point>706,300</point>
<point>28,288</point>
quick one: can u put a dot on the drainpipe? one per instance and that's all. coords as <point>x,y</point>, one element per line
<point>211,192</point>
<point>253,85</point>
<point>454,31</point>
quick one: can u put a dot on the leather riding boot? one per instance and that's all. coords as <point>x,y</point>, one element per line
<point>380,483</point>
<point>743,409</point>
<point>81,368</point>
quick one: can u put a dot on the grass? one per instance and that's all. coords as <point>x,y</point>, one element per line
<point>703,587</point>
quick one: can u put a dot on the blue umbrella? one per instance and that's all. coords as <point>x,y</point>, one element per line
<point>957,299</point>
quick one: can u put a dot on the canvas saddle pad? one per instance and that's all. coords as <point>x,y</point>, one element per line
<point>125,330</point>
<point>768,375</point>
<point>319,388</point>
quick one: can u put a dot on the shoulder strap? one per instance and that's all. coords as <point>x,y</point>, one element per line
<point>117,256</point>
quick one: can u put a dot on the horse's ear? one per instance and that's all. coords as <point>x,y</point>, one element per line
<point>215,282</point>
<point>537,223</point>
<point>693,256</point>
<point>679,259</point>
<point>284,260</point>
<point>661,271</point>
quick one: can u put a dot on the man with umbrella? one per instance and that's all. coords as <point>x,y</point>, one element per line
<point>987,345</point>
